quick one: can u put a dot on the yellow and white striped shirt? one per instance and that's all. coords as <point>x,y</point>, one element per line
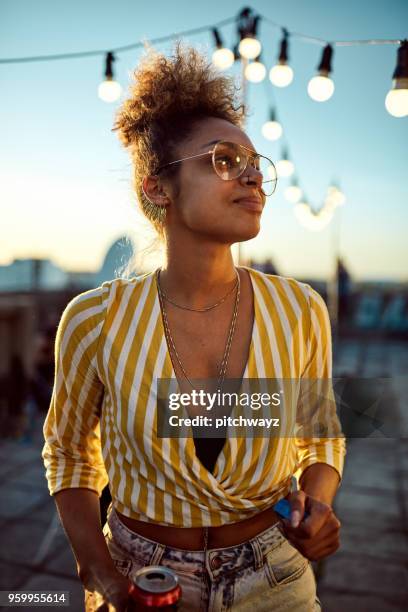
<point>102,422</point>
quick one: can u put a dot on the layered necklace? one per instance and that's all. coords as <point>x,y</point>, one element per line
<point>230,335</point>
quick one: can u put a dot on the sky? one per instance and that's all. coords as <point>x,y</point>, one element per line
<point>65,180</point>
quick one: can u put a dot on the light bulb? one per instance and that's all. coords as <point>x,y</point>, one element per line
<point>285,168</point>
<point>272,130</point>
<point>223,58</point>
<point>320,88</point>
<point>302,212</point>
<point>255,72</point>
<point>311,220</point>
<point>302,208</point>
<point>293,193</point>
<point>335,197</point>
<point>109,90</point>
<point>281,75</point>
<point>249,47</point>
<point>396,101</point>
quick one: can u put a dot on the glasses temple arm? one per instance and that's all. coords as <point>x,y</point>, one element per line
<point>185,158</point>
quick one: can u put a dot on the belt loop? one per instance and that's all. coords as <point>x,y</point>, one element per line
<point>258,554</point>
<point>157,554</point>
<point>205,535</point>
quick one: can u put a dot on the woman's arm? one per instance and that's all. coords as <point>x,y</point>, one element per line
<point>321,446</point>
<point>80,516</point>
<point>321,482</point>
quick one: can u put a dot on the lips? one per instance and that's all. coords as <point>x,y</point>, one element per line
<point>250,203</point>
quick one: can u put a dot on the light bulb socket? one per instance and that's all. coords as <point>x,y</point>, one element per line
<point>272,114</point>
<point>401,69</point>
<point>324,67</point>
<point>247,23</point>
<point>255,25</point>
<point>400,83</point>
<point>217,38</point>
<point>283,52</point>
<point>110,58</point>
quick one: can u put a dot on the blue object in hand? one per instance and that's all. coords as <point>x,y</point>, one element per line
<point>282,507</point>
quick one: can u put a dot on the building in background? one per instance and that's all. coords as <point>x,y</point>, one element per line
<point>42,274</point>
<point>32,274</point>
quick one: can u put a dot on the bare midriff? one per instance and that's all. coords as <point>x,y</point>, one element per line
<point>193,538</point>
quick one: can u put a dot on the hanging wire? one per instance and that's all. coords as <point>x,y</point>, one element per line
<point>334,43</point>
<point>375,41</point>
<point>138,45</point>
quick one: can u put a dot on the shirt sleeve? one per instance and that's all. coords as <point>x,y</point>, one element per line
<point>72,451</point>
<point>319,438</point>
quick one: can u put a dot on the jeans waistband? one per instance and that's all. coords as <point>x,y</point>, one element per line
<point>216,560</point>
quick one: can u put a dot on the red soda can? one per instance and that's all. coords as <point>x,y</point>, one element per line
<point>155,588</point>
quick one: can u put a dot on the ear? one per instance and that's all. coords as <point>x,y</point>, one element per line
<point>154,191</point>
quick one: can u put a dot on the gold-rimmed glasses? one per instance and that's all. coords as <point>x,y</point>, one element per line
<point>230,161</point>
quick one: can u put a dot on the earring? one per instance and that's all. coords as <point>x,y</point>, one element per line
<point>155,211</point>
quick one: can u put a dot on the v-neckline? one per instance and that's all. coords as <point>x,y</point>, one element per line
<point>190,445</point>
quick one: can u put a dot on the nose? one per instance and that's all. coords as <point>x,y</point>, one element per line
<point>251,176</point>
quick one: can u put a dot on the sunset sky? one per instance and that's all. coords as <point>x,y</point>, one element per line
<point>65,182</point>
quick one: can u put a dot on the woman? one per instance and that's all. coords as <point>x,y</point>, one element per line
<point>201,507</point>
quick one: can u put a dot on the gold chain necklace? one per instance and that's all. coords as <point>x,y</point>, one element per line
<point>166,297</point>
<point>224,362</point>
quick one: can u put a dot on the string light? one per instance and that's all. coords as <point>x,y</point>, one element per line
<point>335,197</point>
<point>249,46</point>
<point>312,220</point>
<point>396,101</point>
<point>293,192</point>
<point>272,129</point>
<point>281,74</point>
<point>222,58</point>
<point>321,87</point>
<point>109,90</point>
<point>255,71</point>
<point>285,167</point>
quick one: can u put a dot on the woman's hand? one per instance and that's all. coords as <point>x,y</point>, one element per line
<point>106,591</point>
<point>316,536</point>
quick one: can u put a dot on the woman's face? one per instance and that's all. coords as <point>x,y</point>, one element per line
<point>203,203</point>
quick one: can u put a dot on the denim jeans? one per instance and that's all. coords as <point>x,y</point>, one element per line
<point>262,574</point>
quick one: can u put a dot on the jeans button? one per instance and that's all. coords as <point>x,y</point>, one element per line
<point>216,562</point>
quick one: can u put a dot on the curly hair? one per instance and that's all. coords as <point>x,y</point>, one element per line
<point>167,97</point>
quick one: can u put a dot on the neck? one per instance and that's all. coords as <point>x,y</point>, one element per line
<point>198,276</point>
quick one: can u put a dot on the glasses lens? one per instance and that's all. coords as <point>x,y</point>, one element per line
<point>268,171</point>
<point>229,160</point>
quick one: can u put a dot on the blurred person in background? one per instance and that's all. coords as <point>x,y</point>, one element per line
<point>42,380</point>
<point>202,507</point>
<point>344,288</point>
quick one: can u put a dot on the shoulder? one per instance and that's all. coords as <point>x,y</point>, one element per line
<point>297,293</point>
<point>289,295</point>
<point>88,309</point>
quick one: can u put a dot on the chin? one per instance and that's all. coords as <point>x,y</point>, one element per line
<point>237,230</point>
<point>248,230</point>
